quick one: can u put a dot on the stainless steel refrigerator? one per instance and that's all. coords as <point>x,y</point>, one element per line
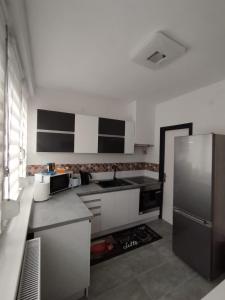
<point>199,203</point>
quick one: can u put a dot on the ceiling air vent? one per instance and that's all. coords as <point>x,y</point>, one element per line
<point>157,51</point>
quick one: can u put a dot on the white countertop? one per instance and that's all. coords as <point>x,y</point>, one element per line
<point>12,243</point>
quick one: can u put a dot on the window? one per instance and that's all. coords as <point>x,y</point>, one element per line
<point>16,120</point>
<point>13,117</point>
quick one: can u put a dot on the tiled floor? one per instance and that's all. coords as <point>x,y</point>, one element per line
<point>148,273</point>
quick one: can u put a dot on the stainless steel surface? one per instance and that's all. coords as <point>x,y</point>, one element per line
<point>199,193</point>
<point>193,218</point>
<point>192,243</point>
<point>113,183</point>
<point>193,175</point>
<point>143,180</point>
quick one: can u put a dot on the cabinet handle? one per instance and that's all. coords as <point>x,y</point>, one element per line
<point>90,201</point>
<point>96,215</point>
<point>93,208</point>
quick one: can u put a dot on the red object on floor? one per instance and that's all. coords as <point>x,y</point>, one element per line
<point>101,247</point>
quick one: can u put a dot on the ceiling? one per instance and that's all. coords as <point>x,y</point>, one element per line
<point>85,45</point>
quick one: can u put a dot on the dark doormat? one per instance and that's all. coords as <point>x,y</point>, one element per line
<point>120,242</point>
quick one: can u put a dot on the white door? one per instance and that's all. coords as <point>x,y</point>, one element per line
<point>86,134</point>
<point>167,213</point>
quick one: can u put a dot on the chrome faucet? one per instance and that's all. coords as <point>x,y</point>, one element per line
<point>115,168</point>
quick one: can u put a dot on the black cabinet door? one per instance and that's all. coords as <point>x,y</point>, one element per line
<point>54,120</point>
<point>110,144</point>
<point>111,127</point>
<point>55,142</point>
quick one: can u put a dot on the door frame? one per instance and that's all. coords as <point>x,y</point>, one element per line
<point>163,130</point>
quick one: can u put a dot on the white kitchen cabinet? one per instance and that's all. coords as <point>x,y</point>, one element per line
<point>65,256</point>
<point>133,206</point>
<point>93,203</point>
<point>86,134</point>
<point>108,211</point>
<point>129,137</point>
<point>119,208</point>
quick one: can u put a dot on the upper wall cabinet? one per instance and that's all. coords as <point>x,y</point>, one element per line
<point>54,120</point>
<point>55,142</point>
<point>129,137</point>
<point>65,132</point>
<point>110,144</point>
<point>111,127</point>
<point>111,135</point>
<point>55,131</point>
<point>86,134</point>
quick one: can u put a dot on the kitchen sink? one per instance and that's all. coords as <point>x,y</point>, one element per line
<point>113,183</point>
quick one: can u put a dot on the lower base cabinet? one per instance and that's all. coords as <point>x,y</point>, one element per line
<point>119,208</point>
<point>114,209</point>
<point>65,266</point>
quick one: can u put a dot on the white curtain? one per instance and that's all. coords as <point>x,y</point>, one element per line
<point>2,82</point>
<point>16,115</point>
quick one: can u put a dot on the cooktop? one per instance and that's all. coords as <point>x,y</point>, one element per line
<point>143,180</point>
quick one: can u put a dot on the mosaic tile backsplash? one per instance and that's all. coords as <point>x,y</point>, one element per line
<point>96,168</point>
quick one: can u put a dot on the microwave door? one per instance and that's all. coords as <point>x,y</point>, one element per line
<point>59,183</point>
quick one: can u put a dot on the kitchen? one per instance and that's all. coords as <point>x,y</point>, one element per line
<point>100,159</point>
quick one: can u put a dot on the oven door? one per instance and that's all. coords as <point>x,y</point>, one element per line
<point>149,200</point>
<point>59,183</point>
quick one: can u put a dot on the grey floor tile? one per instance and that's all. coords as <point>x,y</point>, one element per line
<point>148,273</point>
<point>164,279</point>
<point>131,290</point>
<point>109,274</point>
<point>144,259</point>
<point>192,289</point>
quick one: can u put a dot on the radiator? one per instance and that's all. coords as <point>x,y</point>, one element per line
<point>29,286</point>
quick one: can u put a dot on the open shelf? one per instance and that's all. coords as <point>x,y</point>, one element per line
<point>144,147</point>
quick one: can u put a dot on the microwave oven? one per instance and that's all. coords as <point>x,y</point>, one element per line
<point>57,182</point>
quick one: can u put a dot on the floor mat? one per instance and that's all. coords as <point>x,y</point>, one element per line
<point>121,242</point>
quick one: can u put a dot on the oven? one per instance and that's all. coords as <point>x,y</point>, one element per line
<point>150,198</point>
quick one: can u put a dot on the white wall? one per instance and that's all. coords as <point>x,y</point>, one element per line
<point>204,107</point>
<point>70,101</point>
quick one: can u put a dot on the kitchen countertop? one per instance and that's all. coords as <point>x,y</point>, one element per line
<point>12,243</point>
<point>67,207</point>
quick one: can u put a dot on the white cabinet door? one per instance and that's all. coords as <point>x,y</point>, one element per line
<point>129,137</point>
<point>108,211</point>
<point>86,134</point>
<point>65,260</point>
<point>133,206</point>
<point>119,208</point>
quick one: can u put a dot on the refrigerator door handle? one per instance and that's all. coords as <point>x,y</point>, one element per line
<point>193,218</point>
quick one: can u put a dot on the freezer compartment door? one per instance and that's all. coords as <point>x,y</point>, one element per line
<point>192,242</point>
<point>193,175</point>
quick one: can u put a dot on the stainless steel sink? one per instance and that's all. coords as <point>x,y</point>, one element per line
<point>113,183</point>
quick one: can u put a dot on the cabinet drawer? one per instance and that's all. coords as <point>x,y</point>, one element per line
<point>95,210</point>
<point>89,198</point>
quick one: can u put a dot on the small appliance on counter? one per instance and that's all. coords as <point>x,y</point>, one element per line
<point>57,182</point>
<point>85,177</point>
<point>74,181</point>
